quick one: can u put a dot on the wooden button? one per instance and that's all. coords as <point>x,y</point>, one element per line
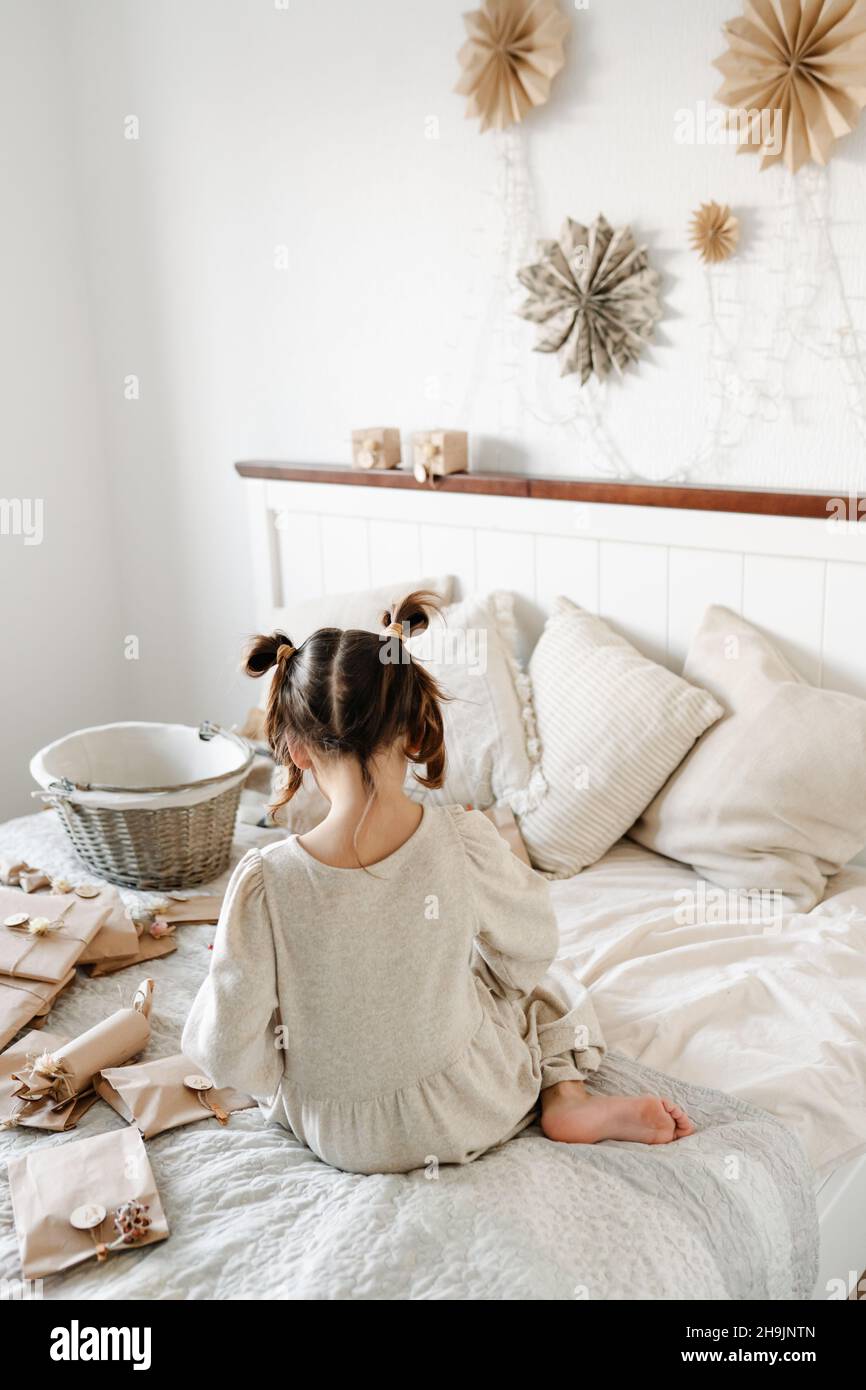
<point>87,1217</point>
<point>18,919</point>
<point>198,1083</point>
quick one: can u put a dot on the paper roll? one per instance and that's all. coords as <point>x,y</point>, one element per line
<point>70,1070</point>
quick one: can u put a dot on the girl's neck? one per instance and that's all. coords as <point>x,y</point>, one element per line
<point>361,829</point>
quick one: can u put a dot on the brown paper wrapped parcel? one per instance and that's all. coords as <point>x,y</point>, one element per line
<point>49,1186</point>
<point>67,1071</point>
<point>23,1000</point>
<point>116,937</point>
<point>45,1114</point>
<point>55,930</point>
<point>153,1096</point>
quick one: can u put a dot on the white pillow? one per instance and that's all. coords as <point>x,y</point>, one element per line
<point>490,742</point>
<point>492,754</point>
<point>613,725</point>
<point>360,609</point>
<point>773,798</point>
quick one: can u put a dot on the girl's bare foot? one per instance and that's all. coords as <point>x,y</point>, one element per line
<point>571,1116</point>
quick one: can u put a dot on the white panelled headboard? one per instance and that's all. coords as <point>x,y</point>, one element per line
<point>651,571</point>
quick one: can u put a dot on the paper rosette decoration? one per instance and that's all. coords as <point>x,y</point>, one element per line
<point>513,53</point>
<point>715,232</point>
<point>795,72</point>
<point>594,297</point>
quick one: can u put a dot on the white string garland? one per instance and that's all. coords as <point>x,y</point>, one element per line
<point>746,361</point>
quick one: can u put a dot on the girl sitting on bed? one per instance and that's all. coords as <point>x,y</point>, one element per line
<point>375,982</point>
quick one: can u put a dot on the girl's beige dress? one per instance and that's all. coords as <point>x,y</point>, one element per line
<point>391,1018</point>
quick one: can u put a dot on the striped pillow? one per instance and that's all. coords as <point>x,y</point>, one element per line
<point>613,727</point>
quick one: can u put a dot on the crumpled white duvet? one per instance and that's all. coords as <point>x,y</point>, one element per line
<point>726,1214</point>
<point>776,1017</point>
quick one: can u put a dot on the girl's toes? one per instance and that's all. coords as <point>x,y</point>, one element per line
<point>684,1126</point>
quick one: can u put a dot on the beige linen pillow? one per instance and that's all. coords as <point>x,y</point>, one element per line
<point>612,725</point>
<point>773,798</point>
<point>359,609</point>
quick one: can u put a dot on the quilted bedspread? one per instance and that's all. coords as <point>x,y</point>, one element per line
<point>726,1214</point>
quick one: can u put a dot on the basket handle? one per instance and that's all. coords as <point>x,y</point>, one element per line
<point>56,791</point>
<point>63,789</point>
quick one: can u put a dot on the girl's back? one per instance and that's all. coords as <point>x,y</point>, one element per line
<point>376,985</point>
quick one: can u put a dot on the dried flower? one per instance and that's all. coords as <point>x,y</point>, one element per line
<point>132,1222</point>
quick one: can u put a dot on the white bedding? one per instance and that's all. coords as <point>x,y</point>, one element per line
<point>254,1215</point>
<point>775,1019</point>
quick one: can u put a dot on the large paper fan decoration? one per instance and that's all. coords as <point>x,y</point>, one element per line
<point>594,297</point>
<point>795,71</point>
<point>513,53</point>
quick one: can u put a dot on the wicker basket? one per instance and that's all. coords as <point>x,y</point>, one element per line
<point>159,845</point>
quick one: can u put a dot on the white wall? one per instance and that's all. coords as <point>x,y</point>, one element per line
<point>60,645</point>
<point>306,127</point>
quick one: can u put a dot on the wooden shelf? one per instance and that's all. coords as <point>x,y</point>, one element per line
<point>764,502</point>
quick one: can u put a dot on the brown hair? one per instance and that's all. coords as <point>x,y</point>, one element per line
<point>353,694</point>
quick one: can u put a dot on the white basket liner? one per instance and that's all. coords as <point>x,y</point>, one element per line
<point>137,754</point>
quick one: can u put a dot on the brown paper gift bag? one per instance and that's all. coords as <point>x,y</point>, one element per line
<point>149,948</point>
<point>201,907</point>
<point>46,1114</point>
<point>116,937</point>
<point>67,1071</point>
<point>108,1176</point>
<point>153,1095</point>
<point>55,930</point>
<point>23,1000</point>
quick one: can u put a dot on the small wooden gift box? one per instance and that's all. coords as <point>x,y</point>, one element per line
<point>375,448</point>
<point>437,452</point>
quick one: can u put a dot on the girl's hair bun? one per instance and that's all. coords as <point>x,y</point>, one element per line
<point>413,612</point>
<point>261,652</point>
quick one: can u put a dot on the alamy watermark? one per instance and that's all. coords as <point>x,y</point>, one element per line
<point>23,516</point>
<point>722,125</point>
<point>706,905</point>
<point>460,646</point>
<point>847,514</point>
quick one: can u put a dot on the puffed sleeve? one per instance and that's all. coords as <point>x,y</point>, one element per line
<point>516,934</point>
<point>230,1032</point>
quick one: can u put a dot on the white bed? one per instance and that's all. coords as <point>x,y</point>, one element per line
<point>247,1204</point>
<point>776,1020</point>
<point>652,572</point>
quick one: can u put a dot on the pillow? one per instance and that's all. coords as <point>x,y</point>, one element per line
<point>492,752</point>
<point>613,725</point>
<point>360,609</point>
<point>490,743</point>
<point>774,797</point>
